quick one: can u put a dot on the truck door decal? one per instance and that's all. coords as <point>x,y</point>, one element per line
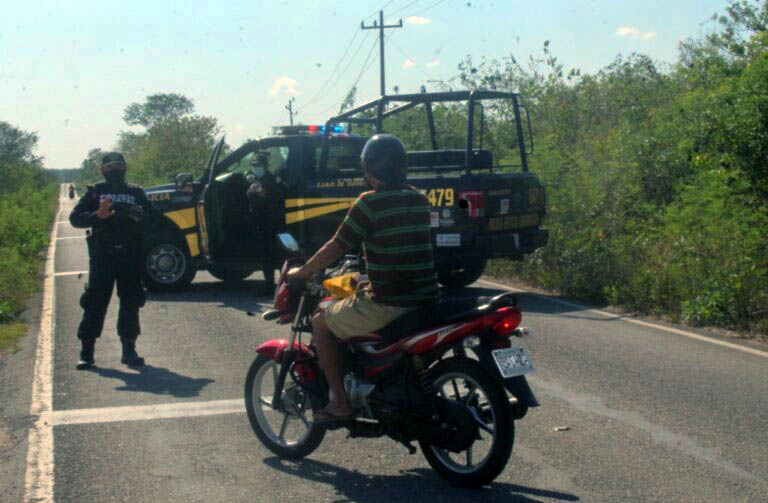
<point>336,204</point>
<point>185,220</point>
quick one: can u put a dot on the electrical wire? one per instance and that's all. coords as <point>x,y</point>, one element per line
<point>333,73</point>
<point>368,60</point>
<point>366,65</point>
<point>408,56</point>
<point>405,7</point>
<point>427,8</point>
<point>380,9</point>
<point>334,78</point>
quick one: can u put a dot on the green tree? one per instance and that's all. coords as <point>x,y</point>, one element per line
<point>17,145</point>
<point>156,109</point>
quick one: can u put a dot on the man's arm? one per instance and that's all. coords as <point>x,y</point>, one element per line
<point>88,212</point>
<point>329,253</point>
<point>144,213</point>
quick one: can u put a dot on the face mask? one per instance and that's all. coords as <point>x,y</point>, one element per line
<point>258,171</point>
<point>115,176</point>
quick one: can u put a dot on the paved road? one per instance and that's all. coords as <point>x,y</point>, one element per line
<point>651,415</point>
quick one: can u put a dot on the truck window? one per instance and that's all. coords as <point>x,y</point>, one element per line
<point>278,157</point>
<point>343,159</point>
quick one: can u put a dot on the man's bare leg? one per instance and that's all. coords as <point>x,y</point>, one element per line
<point>330,361</point>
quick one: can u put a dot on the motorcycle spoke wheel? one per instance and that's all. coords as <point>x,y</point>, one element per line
<point>466,382</point>
<point>465,390</point>
<point>288,431</point>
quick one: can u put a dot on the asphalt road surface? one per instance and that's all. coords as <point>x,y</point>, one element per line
<point>631,411</point>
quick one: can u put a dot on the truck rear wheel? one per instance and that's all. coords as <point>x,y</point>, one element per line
<point>167,266</point>
<point>460,276</point>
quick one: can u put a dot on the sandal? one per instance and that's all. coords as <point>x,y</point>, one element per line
<point>323,416</point>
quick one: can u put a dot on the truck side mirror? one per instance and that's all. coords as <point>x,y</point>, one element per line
<point>184,182</point>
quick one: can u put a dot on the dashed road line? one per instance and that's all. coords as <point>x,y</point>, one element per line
<point>70,273</point>
<point>628,319</point>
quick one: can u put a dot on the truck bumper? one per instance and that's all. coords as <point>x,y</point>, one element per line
<point>509,245</point>
<point>517,244</point>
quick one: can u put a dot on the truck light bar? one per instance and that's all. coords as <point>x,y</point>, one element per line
<point>310,129</point>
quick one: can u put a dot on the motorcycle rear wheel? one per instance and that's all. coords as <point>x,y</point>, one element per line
<point>464,380</point>
<point>287,432</point>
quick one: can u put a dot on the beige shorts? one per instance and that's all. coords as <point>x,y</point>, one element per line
<point>360,315</point>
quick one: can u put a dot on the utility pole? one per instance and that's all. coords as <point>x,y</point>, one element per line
<point>380,26</point>
<point>289,107</point>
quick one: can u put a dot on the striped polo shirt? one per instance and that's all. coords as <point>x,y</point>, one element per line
<point>392,224</point>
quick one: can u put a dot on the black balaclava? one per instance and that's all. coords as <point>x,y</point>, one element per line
<point>114,176</point>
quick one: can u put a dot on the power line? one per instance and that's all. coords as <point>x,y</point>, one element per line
<point>427,8</point>
<point>380,8</point>
<point>404,7</point>
<point>367,62</point>
<point>333,72</point>
<point>408,56</point>
<point>366,65</point>
<point>346,68</point>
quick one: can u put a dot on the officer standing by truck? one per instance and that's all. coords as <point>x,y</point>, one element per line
<point>118,215</point>
<point>266,199</point>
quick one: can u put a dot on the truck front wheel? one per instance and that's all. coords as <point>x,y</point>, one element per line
<point>167,266</point>
<point>454,277</point>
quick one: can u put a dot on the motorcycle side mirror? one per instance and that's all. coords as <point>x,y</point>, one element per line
<point>184,182</point>
<point>288,242</point>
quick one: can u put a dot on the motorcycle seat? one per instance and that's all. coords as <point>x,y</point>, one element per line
<point>445,311</point>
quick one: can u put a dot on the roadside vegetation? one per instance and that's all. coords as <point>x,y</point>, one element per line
<point>657,177</point>
<point>28,202</point>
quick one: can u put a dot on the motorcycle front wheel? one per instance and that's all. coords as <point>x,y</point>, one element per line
<point>465,381</point>
<point>288,431</point>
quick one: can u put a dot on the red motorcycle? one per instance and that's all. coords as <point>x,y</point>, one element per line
<point>438,375</point>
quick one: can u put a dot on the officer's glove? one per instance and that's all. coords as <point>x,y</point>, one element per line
<point>136,213</point>
<point>122,212</point>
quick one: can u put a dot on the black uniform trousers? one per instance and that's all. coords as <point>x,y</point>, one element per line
<point>105,270</point>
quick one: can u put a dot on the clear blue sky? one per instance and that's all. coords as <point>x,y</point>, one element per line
<point>69,68</point>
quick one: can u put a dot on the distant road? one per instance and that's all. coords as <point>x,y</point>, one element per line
<point>630,412</point>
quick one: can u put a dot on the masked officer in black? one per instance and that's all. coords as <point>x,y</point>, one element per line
<point>118,215</point>
<point>266,199</point>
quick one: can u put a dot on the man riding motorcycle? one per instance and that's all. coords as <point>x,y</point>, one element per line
<point>392,223</point>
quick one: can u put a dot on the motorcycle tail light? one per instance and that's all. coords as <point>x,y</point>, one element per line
<point>473,201</point>
<point>505,326</point>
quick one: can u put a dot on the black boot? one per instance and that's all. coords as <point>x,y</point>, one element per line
<point>130,357</point>
<point>86,360</point>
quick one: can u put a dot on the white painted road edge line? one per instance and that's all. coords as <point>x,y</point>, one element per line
<point>69,273</point>
<point>38,481</point>
<point>145,412</point>
<point>628,319</point>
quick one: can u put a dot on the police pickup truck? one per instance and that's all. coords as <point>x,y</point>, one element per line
<point>482,207</point>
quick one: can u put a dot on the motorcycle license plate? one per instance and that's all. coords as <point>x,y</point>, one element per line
<point>512,362</point>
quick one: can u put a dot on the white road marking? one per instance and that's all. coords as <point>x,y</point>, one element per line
<point>69,273</point>
<point>145,412</point>
<point>38,481</point>
<point>72,237</point>
<point>628,319</point>
<point>62,221</point>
